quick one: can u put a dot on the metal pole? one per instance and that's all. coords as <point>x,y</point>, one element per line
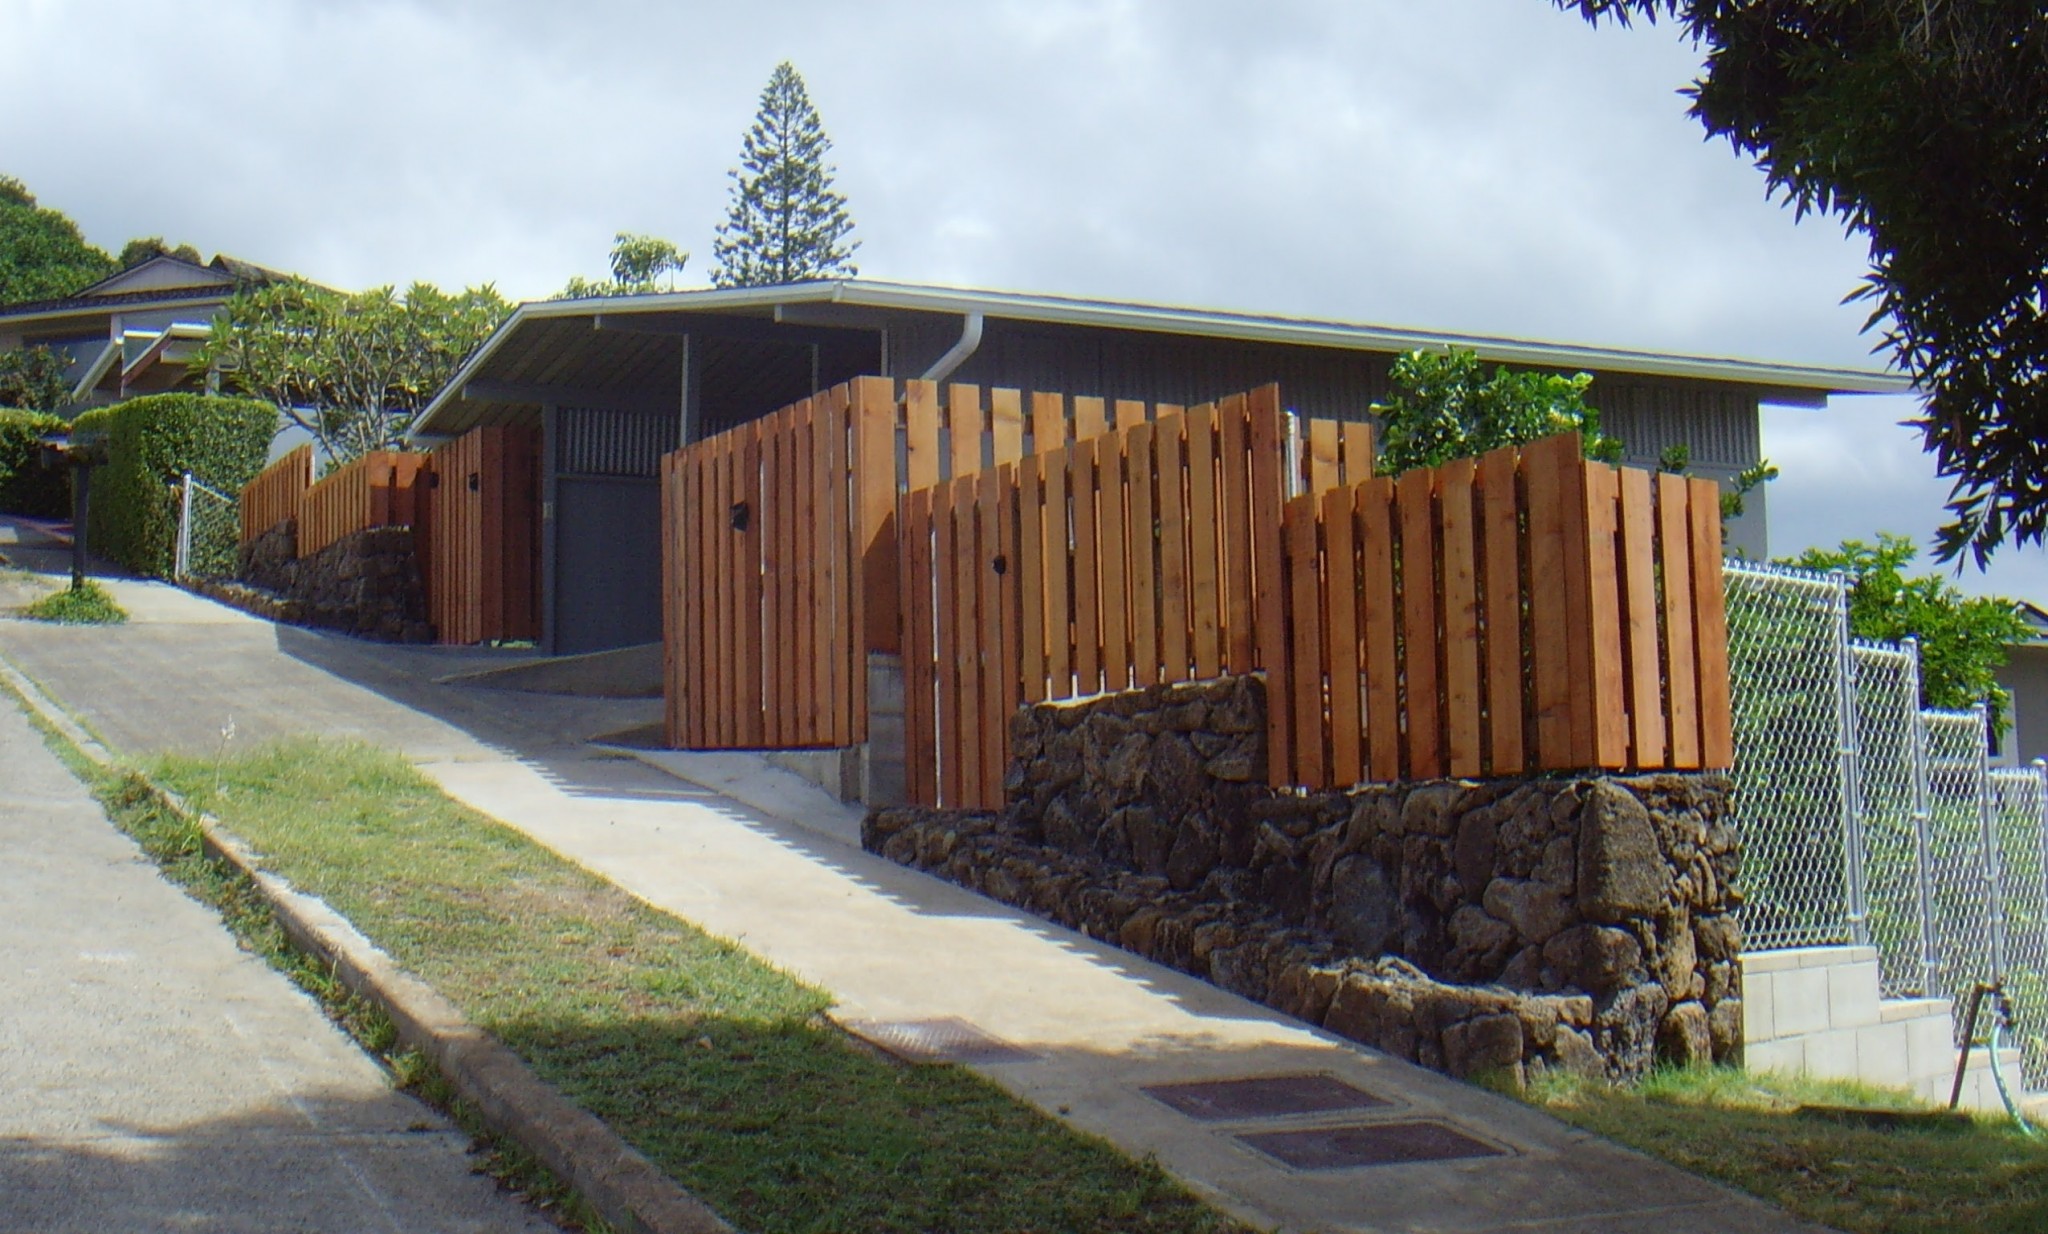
<point>81,508</point>
<point>1923,856</point>
<point>182,566</point>
<point>1994,860</point>
<point>1850,750</point>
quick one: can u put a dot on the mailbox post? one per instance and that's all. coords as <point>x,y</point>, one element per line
<point>81,455</point>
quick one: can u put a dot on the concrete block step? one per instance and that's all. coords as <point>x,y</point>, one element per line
<point>1894,1010</point>
<point>1787,958</point>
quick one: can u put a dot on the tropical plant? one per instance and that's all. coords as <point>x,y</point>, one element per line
<point>1447,407</point>
<point>639,264</point>
<point>786,223</point>
<point>352,370</point>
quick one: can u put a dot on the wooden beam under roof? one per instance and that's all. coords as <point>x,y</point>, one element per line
<point>569,396</point>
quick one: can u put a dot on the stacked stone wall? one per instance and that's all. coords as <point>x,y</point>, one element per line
<point>367,584</point>
<point>1582,922</point>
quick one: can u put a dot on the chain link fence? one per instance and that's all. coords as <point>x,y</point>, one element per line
<point>209,531</point>
<point>1869,820</point>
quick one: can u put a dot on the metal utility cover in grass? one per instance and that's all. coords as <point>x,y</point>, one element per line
<point>1365,1144</point>
<point>945,1040</point>
<point>1271,1096</point>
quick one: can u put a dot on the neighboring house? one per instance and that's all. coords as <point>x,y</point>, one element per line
<point>2025,677</point>
<point>614,383</point>
<point>134,332</point>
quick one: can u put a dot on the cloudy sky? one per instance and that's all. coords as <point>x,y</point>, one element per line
<point>1481,166</point>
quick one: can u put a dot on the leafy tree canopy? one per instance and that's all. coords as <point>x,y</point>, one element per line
<point>1962,639</point>
<point>33,378</point>
<point>639,264</point>
<point>351,369</point>
<point>785,223</point>
<point>137,251</point>
<point>43,255</point>
<point>1447,407</point>
<point>1923,126</point>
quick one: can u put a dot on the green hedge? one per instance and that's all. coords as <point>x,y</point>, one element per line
<point>26,486</point>
<point>152,441</point>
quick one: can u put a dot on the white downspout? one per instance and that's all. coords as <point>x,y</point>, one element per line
<point>958,353</point>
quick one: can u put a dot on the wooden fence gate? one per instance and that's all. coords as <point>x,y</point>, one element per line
<point>479,547</point>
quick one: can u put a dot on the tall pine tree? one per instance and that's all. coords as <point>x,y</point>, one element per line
<point>785,224</point>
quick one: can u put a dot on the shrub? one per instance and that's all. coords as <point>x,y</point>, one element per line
<point>152,441</point>
<point>26,486</point>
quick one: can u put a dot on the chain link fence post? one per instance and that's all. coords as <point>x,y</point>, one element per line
<point>1923,856</point>
<point>1856,891</point>
<point>181,564</point>
<point>1994,851</point>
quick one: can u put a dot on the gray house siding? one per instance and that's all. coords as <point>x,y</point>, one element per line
<point>1719,424</point>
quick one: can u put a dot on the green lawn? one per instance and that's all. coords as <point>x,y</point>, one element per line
<point>1774,1136</point>
<point>718,1066</point>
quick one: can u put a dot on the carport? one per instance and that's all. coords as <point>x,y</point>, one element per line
<point>611,386</point>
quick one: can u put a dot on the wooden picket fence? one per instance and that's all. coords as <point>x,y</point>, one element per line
<point>478,536</point>
<point>1124,559</point>
<point>1530,611</point>
<point>375,490</point>
<point>1526,611</point>
<point>473,505</point>
<point>274,495</point>
<point>782,565</point>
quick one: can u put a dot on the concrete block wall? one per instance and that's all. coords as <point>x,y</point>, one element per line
<point>1818,1011</point>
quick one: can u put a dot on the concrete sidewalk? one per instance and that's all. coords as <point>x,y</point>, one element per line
<point>159,1078</point>
<point>1079,1029</point>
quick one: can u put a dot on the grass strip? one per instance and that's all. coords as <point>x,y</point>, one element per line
<point>87,604</point>
<point>172,840</point>
<point>717,1066</point>
<point>1783,1138</point>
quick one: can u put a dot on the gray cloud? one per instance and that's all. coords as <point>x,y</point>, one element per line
<point>1490,166</point>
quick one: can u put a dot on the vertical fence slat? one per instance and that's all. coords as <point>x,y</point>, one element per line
<point>1604,617</point>
<point>1639,618</point>
<point>1205,596</point>
<point>753,708</point>
<point>966,567</point>
<point>1375,508</point>
<point>1266,431</point>
<point>1710,627</point>
<point>1305,654</point>
<point>994,725</point>
<point>1360,454</point>
<point>1009,580</point>
<point>1005,426</point>
<point>1234,477</point>
<point>1140,461</point>
<point>920,679</point>
<point>1544,467</point>
<point>1173,549</point>
<point>1091,418</point>
<point>1059,573</point>
<point>945,553</point>
<point>1324,446</point>
<point>1048,423</point>
<point>1111,514</point>
<point>1340,578</point>
<point>1030,568</point>
<point>1681,681</point>
<point>1463,695</point>
<point>1414,499</point>
<point>1501,520</point>
<point>1087,535</point>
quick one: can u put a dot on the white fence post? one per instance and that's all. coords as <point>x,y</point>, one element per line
<point>181,567</point>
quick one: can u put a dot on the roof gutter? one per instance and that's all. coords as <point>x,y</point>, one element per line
<point>965,346</point>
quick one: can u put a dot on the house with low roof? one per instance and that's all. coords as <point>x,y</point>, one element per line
<point>615,383</point>
<point>134,332</point>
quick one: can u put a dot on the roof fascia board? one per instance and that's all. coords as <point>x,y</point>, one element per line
<point>95,310</point>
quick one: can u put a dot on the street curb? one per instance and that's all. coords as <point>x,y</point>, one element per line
<point>621,1184</point>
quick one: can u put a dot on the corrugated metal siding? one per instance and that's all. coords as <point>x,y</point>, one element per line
<point>1718,424</point>
<point>612,443</point>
